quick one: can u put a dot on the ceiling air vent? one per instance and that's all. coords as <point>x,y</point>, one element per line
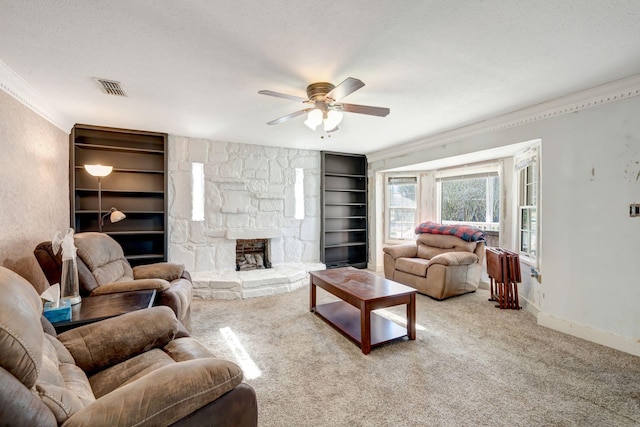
<point>110,87</point>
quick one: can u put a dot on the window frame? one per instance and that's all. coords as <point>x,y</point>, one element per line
<point>527,160</point>
<point>490,169</point>
<point>388,208</point>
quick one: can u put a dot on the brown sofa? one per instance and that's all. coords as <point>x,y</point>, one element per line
<point>440,266</point>
<point>103,269</point>
<point>109,373</point>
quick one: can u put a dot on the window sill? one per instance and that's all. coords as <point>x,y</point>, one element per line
<point>531,262</point>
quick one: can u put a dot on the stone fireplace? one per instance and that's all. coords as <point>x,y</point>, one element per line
<point>252,254</point>
<point>249,194</point>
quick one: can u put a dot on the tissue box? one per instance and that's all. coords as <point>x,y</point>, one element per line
<point>62,313</point>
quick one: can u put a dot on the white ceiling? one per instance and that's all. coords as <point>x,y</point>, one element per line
<point>194,68</point>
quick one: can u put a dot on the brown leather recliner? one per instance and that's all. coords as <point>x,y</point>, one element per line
<point>103,269</point>
<point>109,373</point>
<point>440,266</point>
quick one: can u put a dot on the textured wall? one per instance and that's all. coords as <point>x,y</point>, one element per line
<point>249,193</point>
<point>34,186</point>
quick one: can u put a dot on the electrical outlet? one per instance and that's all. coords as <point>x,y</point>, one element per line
<point>634,210</point>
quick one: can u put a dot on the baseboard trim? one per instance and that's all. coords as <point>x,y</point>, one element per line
<point>607,339</point>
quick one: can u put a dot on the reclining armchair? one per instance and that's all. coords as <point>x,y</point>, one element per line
<point>103,269</point>
<point>440,266</point>
<point>110,374</point>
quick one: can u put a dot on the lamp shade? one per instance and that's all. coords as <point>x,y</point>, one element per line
<point>98,170</point>
<point>116,215</point>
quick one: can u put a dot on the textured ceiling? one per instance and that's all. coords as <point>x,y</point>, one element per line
<point>194,68</point>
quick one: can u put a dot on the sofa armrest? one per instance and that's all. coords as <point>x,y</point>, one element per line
<point>131,285</point>
<point>238,408</point>
<point>163,396</point>
<point>454,258</point>
<point>162,270</point>
<point>186,348</point>
<point>402,251</point>
<point>99,345</point>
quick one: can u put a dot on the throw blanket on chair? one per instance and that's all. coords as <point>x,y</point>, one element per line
<point>464,232</point>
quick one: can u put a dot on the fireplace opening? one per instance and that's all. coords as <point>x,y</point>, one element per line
<point>252,254</point>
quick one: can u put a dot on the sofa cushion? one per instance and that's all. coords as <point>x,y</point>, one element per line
<point>454,258</point>
<point>415,266</point>
<point>103,256</point>
<point>430,245</point>
<point>61,385</point>
<point>63,403</point>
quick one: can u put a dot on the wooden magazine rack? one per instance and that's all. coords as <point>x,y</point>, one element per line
<point>503,268</point>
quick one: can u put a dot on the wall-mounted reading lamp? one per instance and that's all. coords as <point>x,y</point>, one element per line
<point>100,172</point>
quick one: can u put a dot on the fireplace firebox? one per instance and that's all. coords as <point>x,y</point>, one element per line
<point>252,254</point>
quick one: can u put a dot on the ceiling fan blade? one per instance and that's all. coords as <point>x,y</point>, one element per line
<point>348,86</point>
<point>364,109</point>
<point>282,95</point>
<point>288,117</point>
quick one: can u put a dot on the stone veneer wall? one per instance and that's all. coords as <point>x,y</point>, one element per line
<point>249,191</point>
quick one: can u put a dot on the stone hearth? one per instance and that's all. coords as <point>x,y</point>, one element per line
<point>255,283</point>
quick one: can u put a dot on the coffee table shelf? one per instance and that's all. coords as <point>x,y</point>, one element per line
<point>346,319</point>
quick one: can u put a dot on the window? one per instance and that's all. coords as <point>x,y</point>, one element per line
<point>401,207</point>
<point>472,199</point>
<point>527,207</point>
<point>298,191</point>
<point>197,191</point>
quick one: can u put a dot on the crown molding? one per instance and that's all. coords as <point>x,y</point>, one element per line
<point>599,95</point>
<point>17,87</point>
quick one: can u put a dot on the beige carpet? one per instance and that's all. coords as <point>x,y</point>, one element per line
<point>471,365</point>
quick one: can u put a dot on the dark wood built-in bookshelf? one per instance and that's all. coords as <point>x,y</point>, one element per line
<point>137,187</point>
<point>344,236</point>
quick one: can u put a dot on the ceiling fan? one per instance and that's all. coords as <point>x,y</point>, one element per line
<point>323,106</point>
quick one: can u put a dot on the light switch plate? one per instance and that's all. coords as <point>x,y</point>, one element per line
<point>634,210</point>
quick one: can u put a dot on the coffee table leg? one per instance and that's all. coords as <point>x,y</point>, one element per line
<point>411,317</point>
<point>312,296</point>
<point>365,328</point>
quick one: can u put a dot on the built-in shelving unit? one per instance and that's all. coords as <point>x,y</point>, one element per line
<point>137,186</point>
<point>344,234</point>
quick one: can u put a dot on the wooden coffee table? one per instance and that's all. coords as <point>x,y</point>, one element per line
<point>361,292</point>
<point>100,307</point>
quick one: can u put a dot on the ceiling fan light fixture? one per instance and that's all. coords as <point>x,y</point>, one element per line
<point>325,106</point>
<point>314,119</point>
<point>332,120</point>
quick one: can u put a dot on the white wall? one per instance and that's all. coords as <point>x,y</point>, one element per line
<point>590,173</point>
<point>34,186</point>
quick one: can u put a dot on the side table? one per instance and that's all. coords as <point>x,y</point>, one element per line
<point>100,307</point>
